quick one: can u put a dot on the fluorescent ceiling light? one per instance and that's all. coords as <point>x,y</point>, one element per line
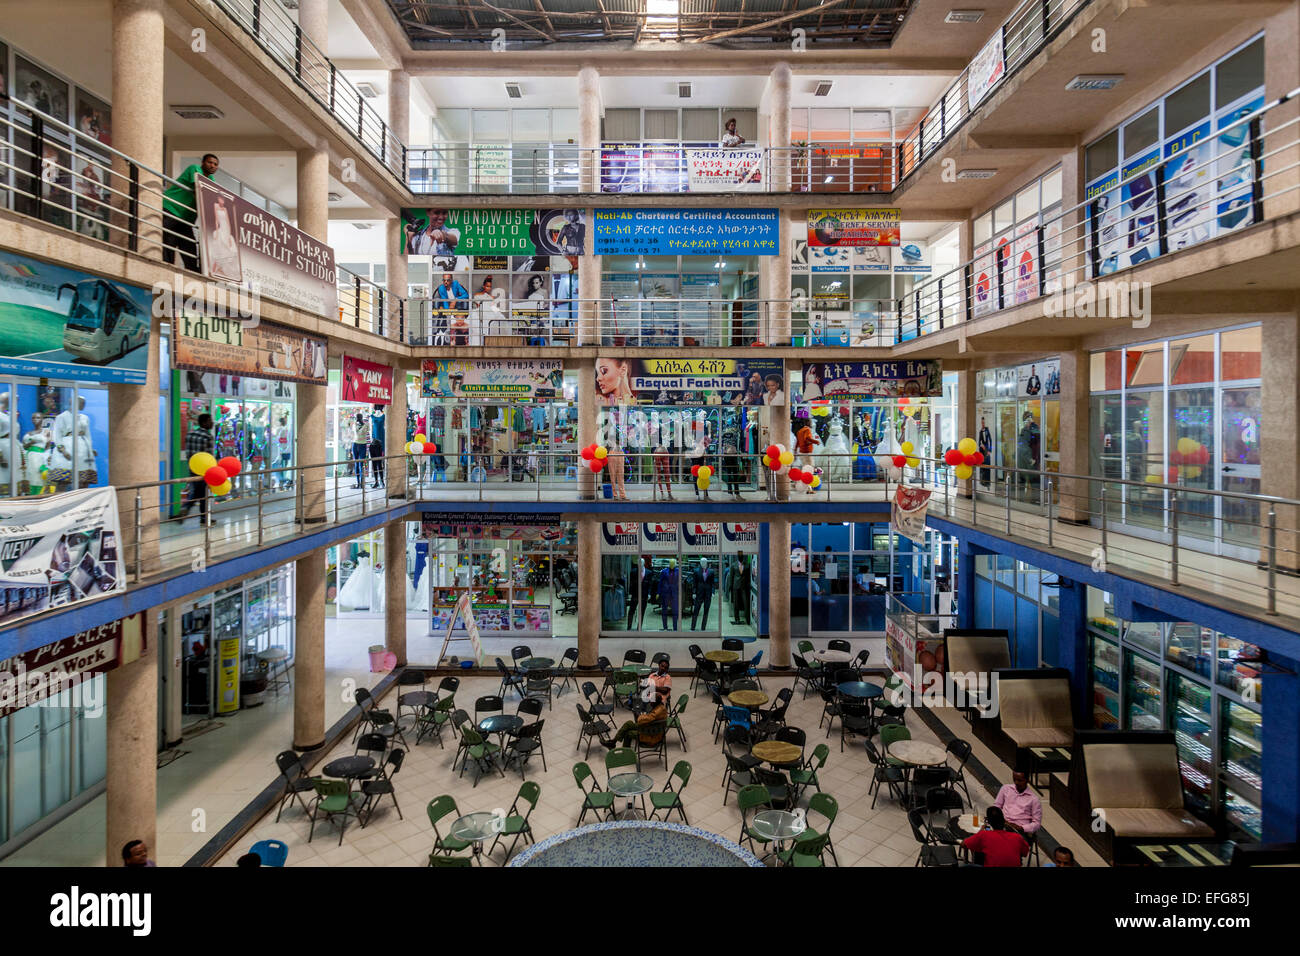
<point>1095,81</point>
<point>964,16</point>
<point>976,173</point>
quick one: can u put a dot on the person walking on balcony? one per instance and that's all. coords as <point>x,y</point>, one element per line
<point>360,448</point>
<point>198,440</point>
<point>181,211</point>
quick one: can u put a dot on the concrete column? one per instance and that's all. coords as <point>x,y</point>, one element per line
<point>395,437</point>
<point>778,432</point>
<point>1279,451</point>
<point>1281,76</point>
<point>778,328</point>
<point>587,413</point>
<point>1074,496</point>
<point>1074,225</point>
<point>313,219</point>
<point>131,779</point>
<point>138,110</point>
<point>968,422</point>
<point>309,654</point>
<point>399,104</point>
<point>778,589</point>
<point>779,111</point>
<point>398,323</point>
<point>169,663</point>
<point>589,306</point>
<point>589,110</point>
<point>313,20</point>
<point>395,589</point>
<point>588,591</point>
<point>314,192</point>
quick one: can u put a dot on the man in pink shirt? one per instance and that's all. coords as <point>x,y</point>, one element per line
<point>1021,806</point>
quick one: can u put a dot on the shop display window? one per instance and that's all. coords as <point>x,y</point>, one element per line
<point>1142,693</point>
<point>1191,716</point>
<point>1242,766</point>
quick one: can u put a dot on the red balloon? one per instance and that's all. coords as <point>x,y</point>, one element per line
<point>588,453</point>
<point>796,474</point>
<point>595,464</point>
<point>1172,476</point>
<point>807,477</point>
<point>231,464</point>
<point>977,458</point>
<point>773,452</point>
<point>429,448</point>
<point>695,471</point>
<point>215,476</point>
<point>1202,455</point>
<point>1176,457</point>
<point>900,461</point>
<point>952,457</point>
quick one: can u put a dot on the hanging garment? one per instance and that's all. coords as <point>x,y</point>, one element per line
<point>615,603</point>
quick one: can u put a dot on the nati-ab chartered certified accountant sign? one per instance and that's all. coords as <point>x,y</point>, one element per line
<point>671,232</point>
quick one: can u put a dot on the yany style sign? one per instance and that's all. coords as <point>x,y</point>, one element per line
<point>365,382</point>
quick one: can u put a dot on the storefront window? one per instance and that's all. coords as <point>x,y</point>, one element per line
<point>1242,752</point>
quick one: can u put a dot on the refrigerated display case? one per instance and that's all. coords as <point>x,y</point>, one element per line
<point>1142,693</point>
<point>1105,684</point>
<point>1233,671</point>
<point>1146,636</point>
<point>1189,645</point>
<point>1190,702</point>
<point>1242,755</point>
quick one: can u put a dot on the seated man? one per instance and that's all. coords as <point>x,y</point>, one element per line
<point>1000,846</point>
<point>1062,856</point>
<point>1020,806</point>
<point>661,680</point>
<point>632,728</point>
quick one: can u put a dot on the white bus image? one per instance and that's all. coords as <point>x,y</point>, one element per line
<point>104,321</point>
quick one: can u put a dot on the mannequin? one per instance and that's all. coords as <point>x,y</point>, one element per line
<point>668,595</point>
<point>836,453</point>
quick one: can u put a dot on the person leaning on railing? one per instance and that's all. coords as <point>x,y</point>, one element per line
<point>181,211</point>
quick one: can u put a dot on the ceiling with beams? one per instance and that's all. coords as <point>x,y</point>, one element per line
<point>433,24</point>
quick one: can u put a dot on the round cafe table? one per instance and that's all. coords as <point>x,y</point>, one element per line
<point>778,753</point>
<point>722,657</point>
<point>348,768</point>
<point>475,828</point>
<point>918,753</point>
<point>963,825</point>
<point>630,785</point>
<point>535,663</point>
<point>751,699</point>
<point>833,657</point>
<point>778,826</point>
<point>860,689</point>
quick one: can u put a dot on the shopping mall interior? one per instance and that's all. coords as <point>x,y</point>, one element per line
<point>414,394</point>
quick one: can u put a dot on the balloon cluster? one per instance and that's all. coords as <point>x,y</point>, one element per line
<point>421,445</point>
<point>966,457</point>
<point>595,456</point>
<point>1191,456</point>
<point>703,475</point>
<point>906,458</point>
<point>907,408</point>
<point>805,476</point>
<point>778,458</point>
<point>216,474</point>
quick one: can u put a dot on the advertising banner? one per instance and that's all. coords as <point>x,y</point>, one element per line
<point>700,537</point>
<point>61,323</point>
<point>229,347</point>
<point>366,382</point>
<point>632,168</point>
<point>1024,259</point>
<point>57,550</point>
<point>685,381</point>
<point>250,248</point>
<point>1103,218</point>
<point>912,258</point>
<point>503,232</point>
<point>907,512</point>
<point>1190,191</point>
<point>1138,233</point>
<point>45,672</point>
<point>228,675</point>
<point>659,538</point>
<point>500,525</point>
<point>1236,167</point>
<point>1042,378</point>
<point>623,537</point>
<point>985,272</point>
<point>670,232</point>
<point>854,227</point>
<point>491,378</point>
<point>740,536</point>
<point>724,170</point>
<point>985,70</point>
<point>915,377</point>
<point>831,259</point>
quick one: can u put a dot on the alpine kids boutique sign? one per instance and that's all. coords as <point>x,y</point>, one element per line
<point>671,232</point>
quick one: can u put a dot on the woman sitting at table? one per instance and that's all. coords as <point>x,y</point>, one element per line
<point>633,728</point>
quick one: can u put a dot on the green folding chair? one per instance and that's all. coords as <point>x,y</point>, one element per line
<point>440,808</point>
<point>596,800</point>
<point>517,826</point>
<point>669,798</point>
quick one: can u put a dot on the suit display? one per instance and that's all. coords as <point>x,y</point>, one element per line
<point>705,584</point>
<point>668,598</point>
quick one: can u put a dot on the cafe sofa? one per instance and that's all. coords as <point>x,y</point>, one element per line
<point>971,653</point>
<point>1033,710</point>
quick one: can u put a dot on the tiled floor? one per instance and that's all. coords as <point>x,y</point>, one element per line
<point>862,836</point>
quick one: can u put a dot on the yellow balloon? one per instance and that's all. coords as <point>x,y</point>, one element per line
<point>767,462</point>
<point>906,448</point>
<point>706,472</point>
<point>967,446</point>
<point>601,452</point>
<point>817,480</point>
<point>963,471</point>
<point>1191,471</point>
<point>1188,445</point>
<point>222,489</point>
<point>821,411</point>
<point>787,457</point>
<point>703,482</point>
<point>201,461</point>
<point>1153,479</point>
<point>912,462</point>
<point>421,437</point>
<point>909,411</point>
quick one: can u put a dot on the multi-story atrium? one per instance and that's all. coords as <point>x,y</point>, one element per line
<point>844,422</point>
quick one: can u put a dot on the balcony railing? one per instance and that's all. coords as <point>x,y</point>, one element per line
<point>267,22</point>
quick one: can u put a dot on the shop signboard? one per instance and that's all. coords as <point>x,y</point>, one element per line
<point>985,271</point>
<point>912,258</point>
<point>798,253</point>
<point>830,258</point>
<point>66,324</point>
<point>57,550</point>
<point>497,525</point>
<point>250,248</point>
<point>873,258</point>
<point>700,537</point>
<point>854,227</point>
<point>44,673</point>
<point>1236,167</point>
<point>1138,230</point>
<point>367,383</point>
<point>1103,222</point>
<point>1039,378</point>
<point>659,537</point>
<point>986,70</point>
<point>620,537</point>
<point>912,377</point>
<point>908,511</point>
<point>448,232</point>
<point>724,170</point>
<point>1024,259</point>
<point>671,232</point>
<point>690,381</point>
<point>740,536</point>
<point>228,675</point>
<point>492,378</point>
<point>229,347</point>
